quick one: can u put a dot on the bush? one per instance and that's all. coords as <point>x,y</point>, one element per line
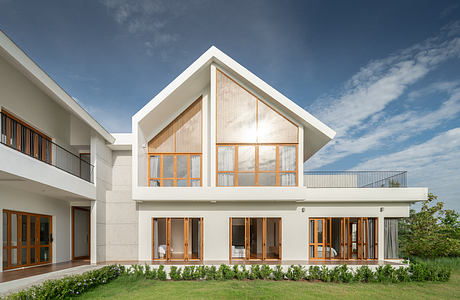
<point>363,274</point>
<point>265,272</point>
<point>243,273</point>
<point>255,272</point>
<point>278,273</point>
<point>295,273</point>
<point>314,273</point>
<point>70,286</point>
<point>175,273</point>
<point>187,274</point>
<point>161,273</point>
<point>225,272</point>
<point>211,273</point>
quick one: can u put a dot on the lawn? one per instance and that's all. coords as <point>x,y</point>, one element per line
<point>129,288</point>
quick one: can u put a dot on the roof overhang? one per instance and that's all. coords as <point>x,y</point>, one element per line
<point>18,58</point>
<point>316,133</point>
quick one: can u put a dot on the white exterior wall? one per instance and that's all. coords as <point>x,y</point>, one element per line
<point>122,216</point>
<point>24,99</point>
<point>294,222</point>
<point>101,158</point>
<point>59,209</point>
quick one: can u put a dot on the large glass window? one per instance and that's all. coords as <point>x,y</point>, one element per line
<point>244,118</point>
<point>175,153</point>
<point>257,165</point>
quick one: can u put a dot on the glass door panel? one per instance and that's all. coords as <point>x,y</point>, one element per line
<point>238,238</point>
<point>177,238</point>
<point>194,243</point>
<point>273,237</point>
<point>160,243</point>
<point>256,242</point>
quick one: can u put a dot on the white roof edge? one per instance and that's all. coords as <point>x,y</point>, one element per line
<point>123,141</point>
<point>214,54</point>
<point>20,57</point>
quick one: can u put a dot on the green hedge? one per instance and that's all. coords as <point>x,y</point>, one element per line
<point>415,272</point>
<point>70,286</point>
<point>75,285</point>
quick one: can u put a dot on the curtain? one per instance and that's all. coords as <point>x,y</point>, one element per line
<point>155,239</point>
<point>287,179</point>
<point>224,179</point>
<point>288,158</point>
<point>391,238</point>
<point>154,166</point>
<point>371,238</point>
<point>195,164</point>
<point>226,159</point>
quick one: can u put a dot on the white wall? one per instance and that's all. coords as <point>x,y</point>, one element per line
<point>294,222</point>
<point>59,209</point>
<point>122,217</point>
<point>21,97</point>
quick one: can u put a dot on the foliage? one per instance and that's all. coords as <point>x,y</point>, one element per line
<point>431,232</point>
<point>71,285</point>
<point>418,270</point>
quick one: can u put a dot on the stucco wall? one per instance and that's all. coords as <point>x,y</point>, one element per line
<point>122,218</point>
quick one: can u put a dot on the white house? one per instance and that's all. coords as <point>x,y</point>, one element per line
<point>212,171</point>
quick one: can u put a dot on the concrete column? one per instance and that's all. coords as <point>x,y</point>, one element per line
<point>93,230</point>
<point>381,229</point>
<point>212,122</point>
<point>1,248</point>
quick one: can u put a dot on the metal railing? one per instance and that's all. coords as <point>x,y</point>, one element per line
<point>24,139</point>
<point>355,179</point>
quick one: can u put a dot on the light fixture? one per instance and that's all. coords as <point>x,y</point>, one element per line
<point>213,201</point>
<point>382,209</point>
<point>303,209</point>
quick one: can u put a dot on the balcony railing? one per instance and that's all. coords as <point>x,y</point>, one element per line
<point>355,179</point>
<point>22,138</point>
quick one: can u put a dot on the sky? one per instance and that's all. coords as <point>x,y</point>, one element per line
<point>384,75</point>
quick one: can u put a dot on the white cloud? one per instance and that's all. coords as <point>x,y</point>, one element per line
<point>360,114</point>
<point>434,164</point>
<point>149,19</point>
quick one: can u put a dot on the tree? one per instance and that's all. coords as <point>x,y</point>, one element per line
<point>431,232</point>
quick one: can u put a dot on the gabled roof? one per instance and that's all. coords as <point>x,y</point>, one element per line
<point>10,51</point>
<point>316,133</point>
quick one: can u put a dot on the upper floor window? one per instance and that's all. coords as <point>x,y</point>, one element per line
<point>21,136</point>
<point>175,154</point>
<point>256,145</point>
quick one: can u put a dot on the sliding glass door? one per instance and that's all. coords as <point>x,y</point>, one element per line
<point>27,239</point>
<point>343,238</point>
<point>179,239</point>
<point>255,238</point>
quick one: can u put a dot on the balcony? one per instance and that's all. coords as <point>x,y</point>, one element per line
<point>355,179</point>
<point>22,138</point>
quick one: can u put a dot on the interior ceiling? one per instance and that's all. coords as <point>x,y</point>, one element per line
<point>20,183</point>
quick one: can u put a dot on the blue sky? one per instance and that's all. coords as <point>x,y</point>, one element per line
<point>385,76</point>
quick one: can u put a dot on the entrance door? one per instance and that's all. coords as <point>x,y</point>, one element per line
<point>179,239</point>
<point>27,239</point>
<point>80,232</point>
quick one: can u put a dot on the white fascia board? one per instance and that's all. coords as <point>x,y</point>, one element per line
<point>281,194</point>
<point>123,141</point>
<point>46,83</point>
<point>215,55</point>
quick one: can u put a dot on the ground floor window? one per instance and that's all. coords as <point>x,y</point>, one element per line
<point>391,245</point>
<point>27,239</point>
<point>255,238</point>
<point>177,239</point>
<point>343,238</point>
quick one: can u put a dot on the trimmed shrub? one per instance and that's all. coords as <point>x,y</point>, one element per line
<point>314,273</point>
<point>161,273</point>
<point>175,273</point>
<point>265,272</point>
<point>278,273</point>
<point>295,273</point>
<point>243,273</point>
<point>70,286</point>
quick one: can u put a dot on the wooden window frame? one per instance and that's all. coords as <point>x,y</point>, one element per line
<point>175,178</point>
<point>175,153</point>
<point>29,130</point>
<point>37,246</point>
<point>362,238</point>
<point>247,242</point>
<point>256,171</point>
<point>73,232</point>
<point>187,222</point>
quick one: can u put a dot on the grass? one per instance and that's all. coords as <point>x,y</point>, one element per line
<point>131,288</point>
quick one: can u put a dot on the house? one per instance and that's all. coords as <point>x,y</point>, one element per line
<point>213,170</point>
